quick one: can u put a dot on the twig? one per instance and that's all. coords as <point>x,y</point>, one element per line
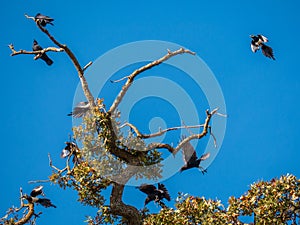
<point>159,133</point>
<point>38,181</point>
<point>116,81</point>
<point>131,77</point>
<point>53,167</point>
<point>87,66</point>
<point>37,53</point>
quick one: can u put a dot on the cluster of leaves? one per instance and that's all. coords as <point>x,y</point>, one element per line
<point>273,202</point>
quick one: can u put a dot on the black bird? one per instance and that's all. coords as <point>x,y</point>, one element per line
<point>32,198</point>
<point>190,158</point>
<point>80,109</point>
<point>43,20</point>
<point>153,194</point>
<point>37,47</point>
<point>258,42</point>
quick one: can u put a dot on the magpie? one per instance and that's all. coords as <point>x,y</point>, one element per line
<point>257,42</point>
<point>32,198</point>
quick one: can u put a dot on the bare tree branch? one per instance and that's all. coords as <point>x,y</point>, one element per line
<point>87,65</point>
<point>131,77</point>
<point>74,60</point>
<point>187,139</point>
<point>159,133</point>
<point>37,53</point>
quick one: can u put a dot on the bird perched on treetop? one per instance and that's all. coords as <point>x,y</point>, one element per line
<point>153,194</point>
<point>258,42</point>
<point>190,158</point>
<point>37,47</point>
<point>32,198</point>
<point>43,20</point>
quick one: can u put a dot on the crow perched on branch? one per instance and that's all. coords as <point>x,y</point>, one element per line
<point>153,194</point>
<point>258,42</point>
<point>37,47</point>
<point>43,20</point>
<point>190,158</point>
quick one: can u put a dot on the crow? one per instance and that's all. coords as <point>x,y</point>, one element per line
<point>43,20</point>
<point>37,47</point>
<point>258,41</point>
<point>153,194</point>
<point>190,158</point>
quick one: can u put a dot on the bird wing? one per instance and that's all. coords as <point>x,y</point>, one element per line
<point>188,151</point>
<point>254,46</point>
<point>45,202</point>
<point>163,188</point>
<point>147,188</point>
<point>80,109</point>
<point>37,191</point>
<point>267,51</point>
<point>205,156</point>
<point>263,38</point>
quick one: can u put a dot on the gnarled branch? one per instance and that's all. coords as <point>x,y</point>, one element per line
<point>205,130</point>
<point>159,133</point>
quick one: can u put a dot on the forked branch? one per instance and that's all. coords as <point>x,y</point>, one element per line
<point>174,150</point>
<point>131,77</point>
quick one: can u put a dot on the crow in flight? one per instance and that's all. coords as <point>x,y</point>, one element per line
<point>43,20</point>
<point>190,158</point>
<point>37,47</point>
<point>153,194</point>
<point>258,42</point>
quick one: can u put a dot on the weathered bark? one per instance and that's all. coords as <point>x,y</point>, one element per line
<point>28,216</point>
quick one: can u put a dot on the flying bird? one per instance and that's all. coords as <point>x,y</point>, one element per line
<point>258,41</point>
<point>43,20</point>
<point>80,109</point>
<point>153,194</point>
<point>190,158</point>
<point>32,198</point>
<point>37,47</point>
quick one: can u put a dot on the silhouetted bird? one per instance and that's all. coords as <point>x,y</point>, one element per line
<point>190,158</point>
<point>32,198</point>
<point>258,42</point>
<point>43,20</point>
<point>153,194</point>
<point>80,109</point>
<point>37,47</point>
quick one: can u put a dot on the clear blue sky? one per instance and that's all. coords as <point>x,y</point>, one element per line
<point>262,96</point>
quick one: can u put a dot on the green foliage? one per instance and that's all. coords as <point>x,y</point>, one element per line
<point>273,202</point>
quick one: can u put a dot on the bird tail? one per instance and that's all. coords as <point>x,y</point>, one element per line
<point>49,62</point>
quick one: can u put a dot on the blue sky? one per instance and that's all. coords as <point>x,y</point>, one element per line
<point>261,95</point>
